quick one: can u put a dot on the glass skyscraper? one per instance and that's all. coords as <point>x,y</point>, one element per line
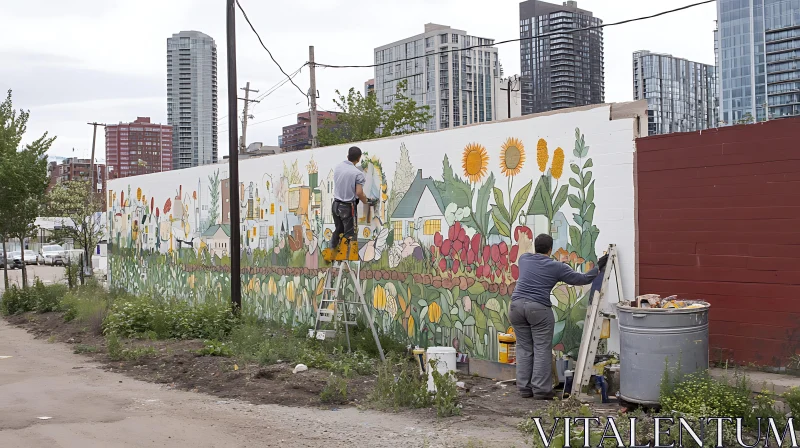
<point>758,45</point>
<point>681,95</point>
<point>561,67</point>
<point>192,98</point>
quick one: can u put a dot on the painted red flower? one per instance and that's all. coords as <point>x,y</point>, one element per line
<point>457,245</point>
<point>487,252</point>
<point>470,257</point>
<point>515,272</point>
<point>455,266</point>
<point>152,204</point>
<point>514,253</point>
<point>498,273</point>
<point>495,253</point>
<point>559,347</point>
<point>437,239</point>
<point>455,231</point>
<point>523,229</point>
<point>446,248</point>
<point>503,248</point>
<point>462,235</point>
<point>442,265</point>
<point>168,205</point>
<point>476,243</point>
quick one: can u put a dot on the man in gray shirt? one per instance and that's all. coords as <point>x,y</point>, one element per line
<point>532,317</point>
<point>348,188</point>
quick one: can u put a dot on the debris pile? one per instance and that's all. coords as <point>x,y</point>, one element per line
<point>671,302</point>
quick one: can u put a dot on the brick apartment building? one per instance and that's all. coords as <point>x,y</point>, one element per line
<point>74,168</point>
<point>298,136</point>
<point>138,148</point>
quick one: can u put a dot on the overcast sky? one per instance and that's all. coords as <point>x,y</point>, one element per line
<point>72,62</point>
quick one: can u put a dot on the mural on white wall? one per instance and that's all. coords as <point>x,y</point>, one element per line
<point>438,254</point>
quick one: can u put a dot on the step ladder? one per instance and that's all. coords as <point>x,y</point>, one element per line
<point>598,309</point>
<point>336,309</point>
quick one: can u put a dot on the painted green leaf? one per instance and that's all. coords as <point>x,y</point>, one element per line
<point>588,164</point>
<point>589,215</point>
<point>480,320</point>
<point>574,183</point>
<point>458,325</point>
<point>561,197</point>
<point>497,321</point>
<point>454,311</point>
<point>422,302</point>
<point>482,205</point>
<point>575,169</point>
<point>542,203</point>
<point>558,331</point>
<point>575,236</point>
<point>520,199</point>
<point>469,321</point>
<point>587,249</point>
<point>587,177</point>
<point>468,342</point>
<point>500,204</point>
<point>445,321</point>
<point>561,293</point>
<point>500,223</point>
<point>476,289</point>
<point>578,220</point>
<point>574,202</point>
<point>590,193</point>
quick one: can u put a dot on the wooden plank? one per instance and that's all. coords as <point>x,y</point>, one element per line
<point>723,249</point>
<point>490,369</point>
<point>783,154</point>
<point>683,178</point>
<point>672,177</point>
<point>774,264</point>
<point>749,330</point>
<point>710,288</point>
<point>652,259</point>
<point>721,224</point>
<point>717,274</point>
<point>757,316</point>
<point>667,248</point>
<point>721,237</point>
<point>784,200</point>
<point>721,190</point>
<point>717,213</point>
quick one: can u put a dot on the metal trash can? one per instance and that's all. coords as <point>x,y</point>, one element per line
<point>651,337</point>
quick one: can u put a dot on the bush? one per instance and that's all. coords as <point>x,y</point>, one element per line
<point>406,388</point>
<point>335,391</point>
<point>87,305</point>
<point>138,317</point>
<point>114,347</point>
<point>47,298</point>
<point>16,300</point>
<point>215,348</point>
<point>792,398</point>
<point>446,399</point>
<point>699,394</point>
<point>39,297</point>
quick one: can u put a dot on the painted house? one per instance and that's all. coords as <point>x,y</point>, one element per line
<point>217,239</point>
<point>420,214</point>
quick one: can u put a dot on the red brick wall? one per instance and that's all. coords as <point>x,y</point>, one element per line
<point>719,220</point>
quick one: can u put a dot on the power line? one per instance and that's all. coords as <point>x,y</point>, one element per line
<point>280,84</point>
<point>265,47</point>
<point>594,27</point>
<point>264,121</point>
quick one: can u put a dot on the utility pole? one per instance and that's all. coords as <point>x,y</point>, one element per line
<point>510,89</point>
<point>247,101</point>
<point>233,160</point>
<point>313,97</point>
<point>92,185</point>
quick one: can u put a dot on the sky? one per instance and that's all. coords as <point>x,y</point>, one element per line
<point>79,61</point>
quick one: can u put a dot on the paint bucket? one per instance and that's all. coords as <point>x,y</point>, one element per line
<point>507,348</point>
<point>445,360</point>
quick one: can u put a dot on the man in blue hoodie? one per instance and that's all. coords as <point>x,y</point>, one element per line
<point>532,317</point>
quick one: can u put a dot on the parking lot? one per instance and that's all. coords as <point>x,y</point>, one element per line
<point>48,275</point>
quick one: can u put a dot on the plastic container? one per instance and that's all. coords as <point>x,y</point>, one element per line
<point>649,337</point>
<point>507,348</point>
<point>445,358</point>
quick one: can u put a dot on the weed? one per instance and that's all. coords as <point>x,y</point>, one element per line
<point>51,339</point>
<point>135,354</point>
<point>82,349</point>
<point>87,305</point>
<point>400,385</point>
<point>47,297</point>
<point>215,348</point>
<point>139,316</point>
<point>446,399</point>
<point>335,391</point>
<point>792,398</point>
<point>39,297</point>
<point>114,347</point>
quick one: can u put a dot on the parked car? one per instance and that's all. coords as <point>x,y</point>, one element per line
<point>7,258</point>
<point>53,254</point>
<point>16,258</point>
<point>31,257</point>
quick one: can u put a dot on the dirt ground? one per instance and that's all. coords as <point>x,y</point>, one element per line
<point>489,416</point>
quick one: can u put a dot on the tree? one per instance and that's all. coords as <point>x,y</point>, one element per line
<point>363,118</point>
<point>405,117</point>
<point>23,179</point>
<point>84,224</point>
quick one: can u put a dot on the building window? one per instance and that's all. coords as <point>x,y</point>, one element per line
<point>432,226</point>
<point>398,230</point>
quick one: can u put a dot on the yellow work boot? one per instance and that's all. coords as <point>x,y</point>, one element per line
<point>341,253</point>
<point>353,256</point>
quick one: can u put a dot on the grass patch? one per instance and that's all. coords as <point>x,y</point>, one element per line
<point>83,349</point>
<point>400,386</point>
<point>40,298</point>
<point>215,348</point>
<point>89,306</point>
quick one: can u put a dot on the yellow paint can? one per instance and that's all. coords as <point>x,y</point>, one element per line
<point>507,348</point>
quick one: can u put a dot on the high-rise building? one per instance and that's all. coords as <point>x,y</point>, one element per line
<point>561,67</point>
<point>298,136</point>
<point>758,45</point>
<point>681,95</point>
<point>369,87</point>
<point>192,98</point>
<point>457,85</point>
<point>138,148</point>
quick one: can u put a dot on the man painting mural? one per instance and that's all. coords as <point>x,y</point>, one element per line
<point>531,314</point>
<point>348,188</point>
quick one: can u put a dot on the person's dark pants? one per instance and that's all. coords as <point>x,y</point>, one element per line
<point>344,216</point>
<point>533,325</point>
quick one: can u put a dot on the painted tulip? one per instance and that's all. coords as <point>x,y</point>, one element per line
<point>523,229</point>
<point>514,253</point>
<point>503,248</point>
<point>476,243</point>
<point>495,253</point>
<point>446,248</point>
<point>437,239</point>
<point>470,257</point>
<point>487,252</point>
<point>442,265</point>
<point>515,272</point>
<point>455,266</point>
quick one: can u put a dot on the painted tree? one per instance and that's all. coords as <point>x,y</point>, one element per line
<point>23,179</point>
<point>213,190</point>
<point>84,226</point>
<point>403,177</point>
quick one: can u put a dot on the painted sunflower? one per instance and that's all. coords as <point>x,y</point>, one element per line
<point>512,157</point>
<point>475,162</point>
